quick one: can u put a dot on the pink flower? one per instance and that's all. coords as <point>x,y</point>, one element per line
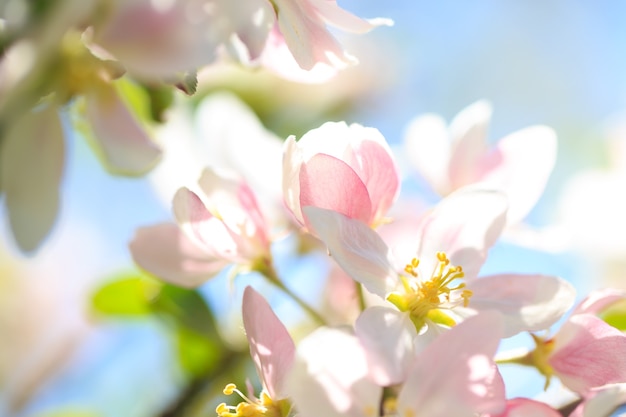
<point>303,26</point>
<point>454,376</point>
<point>272,351</point>
<point>582,354</point>
<point>219,225</point>
<point>433,292</point>
<point>455,156</point>
<point>348,169</point>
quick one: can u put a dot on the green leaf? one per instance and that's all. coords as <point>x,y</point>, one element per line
<point>197,354</point>
<point>126,296</point>
<point>187,308</point>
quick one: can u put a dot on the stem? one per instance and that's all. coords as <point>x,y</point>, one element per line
<point>269,272</point>
<point>360,295</point>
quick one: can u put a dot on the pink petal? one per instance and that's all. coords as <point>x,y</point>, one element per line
<point>335,16</point>
<point>204,229</point>
<point>271,346</point>
<point>527,302</point>
<point>359,250</point>
<point>329,377</point>
<point>31,167</point>
<point>428,149</point>
<point>377,170</point>
<point>387,336</point>
<point>329,183</point>
<point>307,37</point>
<point>164,251</point>
<point>292,160</point>
<point>464,225</point>
<point>469,142</point>
<point>455,375</point>
<point>599,300</point>
<point>123,144</point>
<point>524,407</point>
<point>520,166</point>
<point>586,353</point>
<point>602,401</point>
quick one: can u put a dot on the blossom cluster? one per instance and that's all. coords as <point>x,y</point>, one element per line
<point>80,58</point>
<point>417,329</point>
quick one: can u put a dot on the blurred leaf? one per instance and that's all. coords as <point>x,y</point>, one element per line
<point>187,308</point>
<point>135,97</point>
<point>126,296</point>
<point>197,354</point>
<point>615,315</point>
<point>160,98</point>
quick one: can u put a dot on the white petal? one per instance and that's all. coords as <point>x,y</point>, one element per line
<point>329,377</point>
<point>427,144</point>
<point>359,250</point>
<point>387,336</point>
<point>464,225</point>
<point>121,142</point>
<point>527,302</point>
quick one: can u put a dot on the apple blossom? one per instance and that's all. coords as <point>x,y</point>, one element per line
<point>272,351</point>
<point>582,354</point>
<point>221,224</point>
<point>453,157</point>
<point>436,293</point>
<point>455,375</point>
<point>348,169</point>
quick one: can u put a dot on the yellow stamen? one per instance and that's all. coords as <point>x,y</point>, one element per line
<point>263,407</point>
<point>427,299</point>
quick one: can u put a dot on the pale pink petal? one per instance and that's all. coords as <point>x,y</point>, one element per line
<point>527,302</point>
<point>292,159</point>
<point>520,165</point>
<point>586,353</point>
<point>602,402</point>
<point>157,41</point>
<point>31,166</point>
<point>271,346</point>
<point>469,142</point>
<point>378,171</point>
<point>455,375</point>
<point>359,250</point>
<point>329,183</point>
<point>121,142</point>
<point>464,225</point>
<point>427,146</point>
<point>204,229</point>
<point>524,407</point>
<point>277,58</point>
<point>335,16</point>
<point>164,251</point>
<point>599,300</point>
<point>387,336</point>
<point>330,377</point>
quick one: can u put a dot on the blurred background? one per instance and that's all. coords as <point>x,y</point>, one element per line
<point>70,348</point>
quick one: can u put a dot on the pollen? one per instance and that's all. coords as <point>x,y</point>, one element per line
<point>250,407</point>
<point>427,298</point>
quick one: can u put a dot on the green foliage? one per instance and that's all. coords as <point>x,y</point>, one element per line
<point>184,312</point>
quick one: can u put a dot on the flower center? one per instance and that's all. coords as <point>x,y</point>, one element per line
<point>262,407</point>
<point>426,299</point>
